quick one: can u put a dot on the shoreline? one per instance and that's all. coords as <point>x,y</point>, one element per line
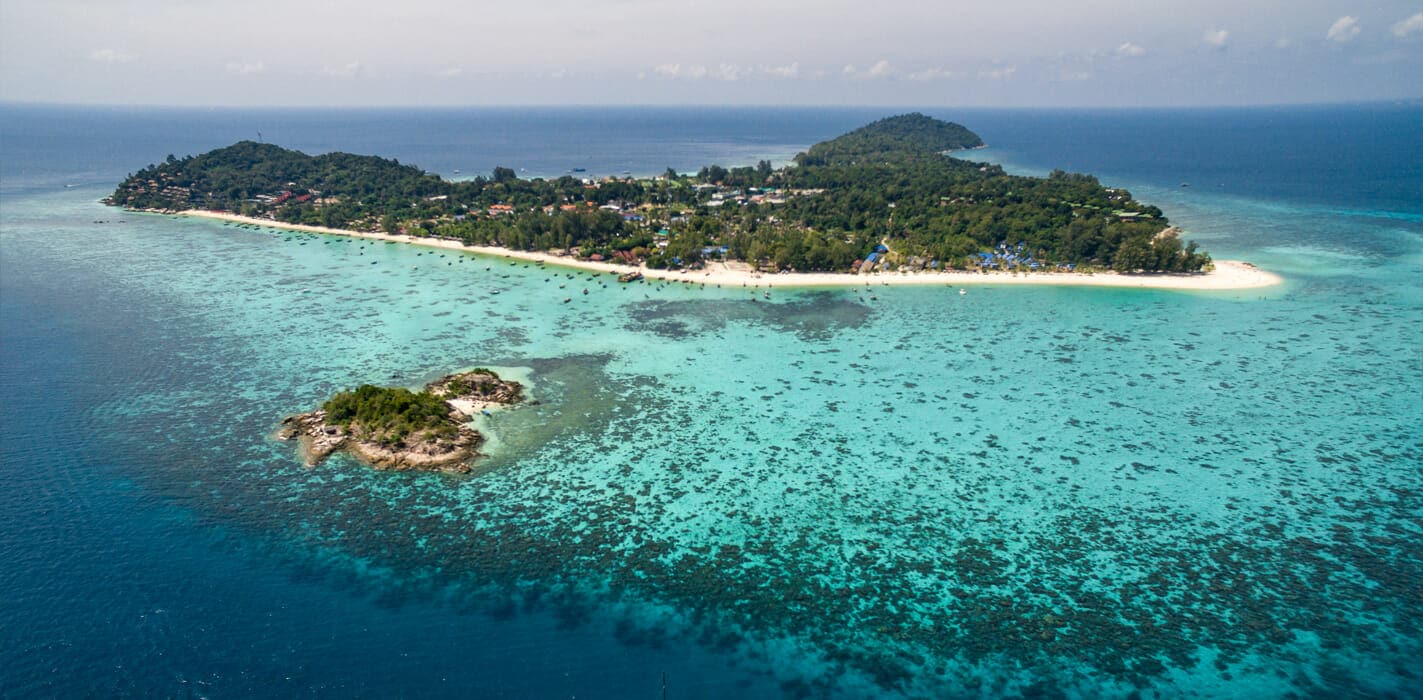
<point>1227,275</point>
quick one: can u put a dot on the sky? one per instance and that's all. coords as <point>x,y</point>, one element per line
<point>1008,53</point>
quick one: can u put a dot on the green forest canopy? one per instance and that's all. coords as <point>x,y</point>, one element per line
<point>388,415</point>
<point>889,183</point>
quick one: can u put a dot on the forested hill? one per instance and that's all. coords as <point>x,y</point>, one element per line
<point>884,196</point>
<point>907,135</point>
<point>247,170</point>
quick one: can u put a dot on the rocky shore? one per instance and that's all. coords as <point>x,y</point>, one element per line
<point>448,445</point>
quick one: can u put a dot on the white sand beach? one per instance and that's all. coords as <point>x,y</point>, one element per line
<point>1227,275</point>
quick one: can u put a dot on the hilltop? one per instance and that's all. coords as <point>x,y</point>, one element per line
<point>907,135</point>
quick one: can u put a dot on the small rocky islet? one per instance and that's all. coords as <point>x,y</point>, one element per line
<point>394,428</point>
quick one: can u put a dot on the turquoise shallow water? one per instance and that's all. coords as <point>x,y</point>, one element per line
<point>1033,491</point>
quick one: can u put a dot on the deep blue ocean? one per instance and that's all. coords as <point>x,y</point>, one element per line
<point>1018,492</point>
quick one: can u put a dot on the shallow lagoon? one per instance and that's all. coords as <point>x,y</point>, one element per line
<point>1075,491</point>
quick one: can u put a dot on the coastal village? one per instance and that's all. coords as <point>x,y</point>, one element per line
<point>887,197</point>
<point>657,223</point>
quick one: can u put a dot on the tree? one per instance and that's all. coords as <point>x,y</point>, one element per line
<point>1135,254</point>
<point>712,174</point>
<point>1167,252</point>
<point>502,174</point>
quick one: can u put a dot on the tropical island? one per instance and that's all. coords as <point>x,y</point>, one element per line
<point>399,429</point>
<point>886,197</point>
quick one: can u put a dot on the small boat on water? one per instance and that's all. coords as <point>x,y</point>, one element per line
<point>963,292</point>
<point>630,276</point>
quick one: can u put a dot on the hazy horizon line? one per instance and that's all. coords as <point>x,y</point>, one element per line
<point>1399,101</point>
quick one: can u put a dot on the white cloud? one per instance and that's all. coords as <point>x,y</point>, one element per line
<point>350,70</point>
<point>241,68</point>
<point>934,74</point>
<point>1130,50</point>
<point>790,70</point>
<point>1344,29</point>
<point>111,56</point>
<point>1284,42</point>
<point>727,72</point>
<point>451,72</point>
<point>696,71</point>
<point>1216,37</point>
<point>881,69</point>
<point>1408,27</point>
<point>1069,76</point>
<point>998,73</point>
